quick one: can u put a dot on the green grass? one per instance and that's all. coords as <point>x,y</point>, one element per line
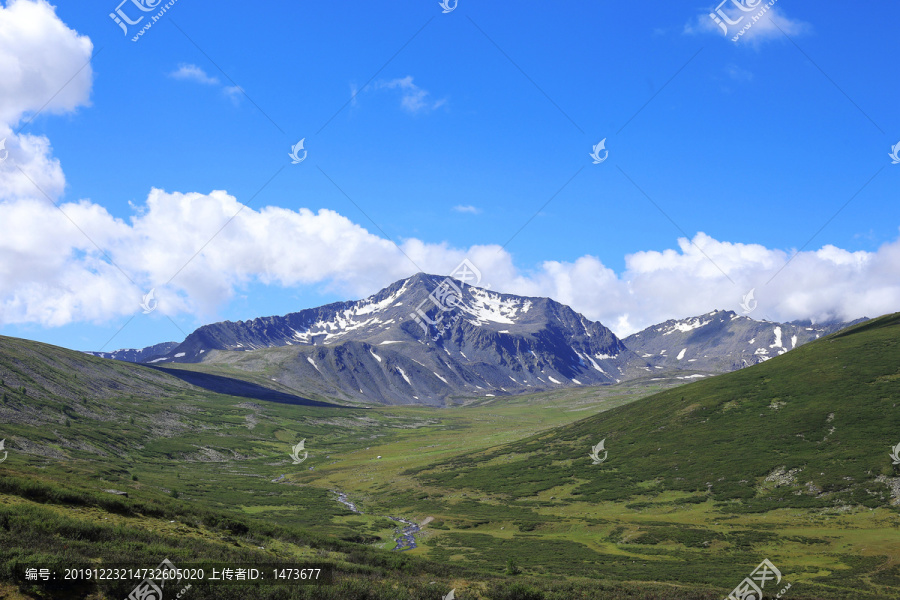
<point>721,437</point>
<point>681,508</point>
<point>695,461</point>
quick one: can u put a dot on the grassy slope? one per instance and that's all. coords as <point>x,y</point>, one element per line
<point>684,490</point>
<point>83,425</point>
<point>496,491</point>
<point>827,409</point>
<point>51,372</point>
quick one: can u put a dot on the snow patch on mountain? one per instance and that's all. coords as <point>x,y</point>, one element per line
<point>590,360</point>
<point>491,307</point>
<point>368,306</point>
<point>686,325</point>
<point>777,343</point>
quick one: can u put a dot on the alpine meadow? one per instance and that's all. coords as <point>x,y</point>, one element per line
<point>448,301</point>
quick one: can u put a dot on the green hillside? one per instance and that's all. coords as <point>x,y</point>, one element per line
<point>208,476</point>
<point>826,413</point>
<point>782,453</point>
<point>43,372</point>
<point>787,460</point>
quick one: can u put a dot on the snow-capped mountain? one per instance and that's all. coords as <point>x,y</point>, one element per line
<point>430,339</point>
<point>721,341</point>
<point>137,355</point>
<point>411,342</point>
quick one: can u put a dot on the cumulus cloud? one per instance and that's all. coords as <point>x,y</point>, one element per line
<point>413,99</point>
<point>52,274</point>
<point>189,72</point>
<point>736,18</point>
<point>44,65</point>
<point>467,208</point>
<point>29,170</point>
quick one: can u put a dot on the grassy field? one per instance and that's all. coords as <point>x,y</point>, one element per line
<point>786,461</point>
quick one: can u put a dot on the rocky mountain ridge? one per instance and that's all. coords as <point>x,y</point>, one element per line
<point>430,339</point>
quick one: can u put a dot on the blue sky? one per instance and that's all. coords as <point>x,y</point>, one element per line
<point>757,144</point>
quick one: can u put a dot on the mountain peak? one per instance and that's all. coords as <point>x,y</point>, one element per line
<point>423,338</point>
<point>427,338</point>
<point>720,341</point>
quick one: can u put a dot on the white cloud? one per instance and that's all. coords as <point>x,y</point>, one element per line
<point>44,66</point>
<point>189,72</point>
<point>52,275</point>
<point>40,172</point>
<point>234,93</point>
<point>41,62</point>
<point>413,98</point>
<point>467,208</point>
<point>769,24</point>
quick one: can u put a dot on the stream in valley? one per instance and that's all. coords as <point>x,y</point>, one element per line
<point>405,534</point>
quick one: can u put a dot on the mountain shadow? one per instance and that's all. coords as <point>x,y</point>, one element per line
<point>236,387</point>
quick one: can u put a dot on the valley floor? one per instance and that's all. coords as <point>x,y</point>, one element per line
<point>210,476</point>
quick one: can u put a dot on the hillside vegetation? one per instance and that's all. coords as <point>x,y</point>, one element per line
<point>787,460</point>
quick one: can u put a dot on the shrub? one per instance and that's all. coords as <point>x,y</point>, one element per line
<point>515,591</point>
<point>512,568</point>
